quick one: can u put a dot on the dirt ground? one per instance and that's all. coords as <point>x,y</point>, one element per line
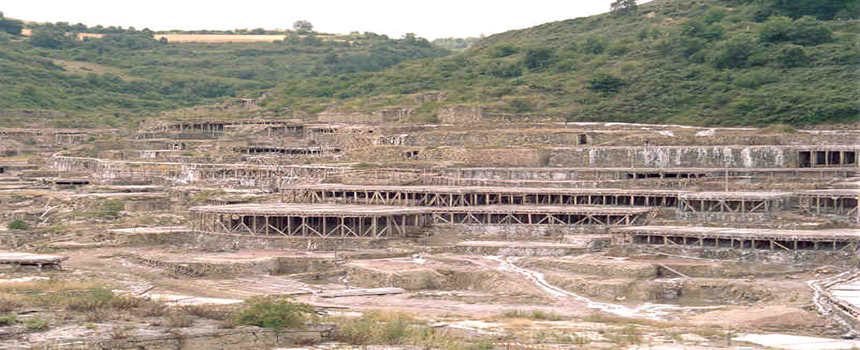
<point>492,293</point>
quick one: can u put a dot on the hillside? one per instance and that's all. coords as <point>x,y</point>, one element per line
<point>696,62</point>
<point>124,74</point>
<point>708,62</point>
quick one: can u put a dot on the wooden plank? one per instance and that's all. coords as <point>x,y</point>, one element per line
<point>360,292</point>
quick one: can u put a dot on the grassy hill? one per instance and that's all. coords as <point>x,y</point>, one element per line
<point>128,73</point>
<point>700,62</point>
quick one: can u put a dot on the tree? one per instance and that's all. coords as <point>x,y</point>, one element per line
<point>806,31</point>
<point>623,7</point>
<point>733,53</point>
<point>10,26</point>
<point>49,38</point>
<point>820,9</point>
<point>537,59</point>
<point>303,26</point>
<point>602,82</point>
<point>792,56</point>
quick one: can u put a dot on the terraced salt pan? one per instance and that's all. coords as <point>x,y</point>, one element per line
<point>646,310</point>
<point>190,300</point>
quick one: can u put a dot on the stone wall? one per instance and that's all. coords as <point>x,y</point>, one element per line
<point>232,242</point>
<point>517,157</point>
<point>352,118</point>
<point>477,114</point>
<point>678,157</point>
<point>497,138</point>
<point>459,114</point>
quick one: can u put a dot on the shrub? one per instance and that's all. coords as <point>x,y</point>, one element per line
<point>8,305</point>
<point>593,45</point>
<point>792,56</point>
<point>806,31</point>
<point>179,319</point>
<point>733,53</point>
<point>18,225</point>
<point>91,301</point>
<point>8,320</point>
<point>602,82</point>
<point>503,50</point>
<point>537,59</point>
<point>371,329</point>
<point>36,324</point>
<point>273,312</point>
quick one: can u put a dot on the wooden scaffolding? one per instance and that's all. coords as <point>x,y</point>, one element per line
<point>323,221</point>
<point>733,202</point>
<point>440,196</point>
<point>738,238</point>
<point>840,202</point>
<point>542,215</point>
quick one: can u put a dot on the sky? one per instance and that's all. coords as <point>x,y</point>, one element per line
<point>429,19</point>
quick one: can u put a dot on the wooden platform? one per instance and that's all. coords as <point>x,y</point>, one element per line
<point>360,292</point>
<point>456,196</point>
<point>721,237</point>
<point>27,259</point>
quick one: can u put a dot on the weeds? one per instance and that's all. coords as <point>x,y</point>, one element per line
<point>8,320</point>
<point>36,324</point>
<point>9,304</point>
<point>277,313</point>
<point>120,332</point>
<point>533,314</point>
<point>178,319</point>
<point>209,312</point>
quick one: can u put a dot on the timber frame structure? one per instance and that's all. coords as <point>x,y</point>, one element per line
<point>542,215</point>
<point>320,221</point>
<point>738,238</point>
<point>432,196</point>
<point>733,202</point>
<point>840,202</point>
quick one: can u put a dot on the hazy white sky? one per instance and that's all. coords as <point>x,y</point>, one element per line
<point>430,19</point>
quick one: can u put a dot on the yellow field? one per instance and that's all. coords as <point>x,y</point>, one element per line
<point>203,38</point>
<point>217,38</point>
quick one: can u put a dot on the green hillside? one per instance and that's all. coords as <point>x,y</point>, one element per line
<point>128,73</point>
<point>698,62</point>
<point>703,62</point>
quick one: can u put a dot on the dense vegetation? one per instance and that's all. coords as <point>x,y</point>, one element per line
<point>701,62</point>
<point>127,72</point>
<point>714,62</point>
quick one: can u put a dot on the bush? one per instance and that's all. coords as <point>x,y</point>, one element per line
<point>273,312</point>
<point>733,53</point>
<point>593,45</point>
<point>370,328</point>
<point>36,324</point>
<point>602,82</point>
<point>537,59</point>
<point>792,56</point>
<point>503,50</point>
<point>806,31</point>
<point>18,225</point>
<point>8,320</point>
